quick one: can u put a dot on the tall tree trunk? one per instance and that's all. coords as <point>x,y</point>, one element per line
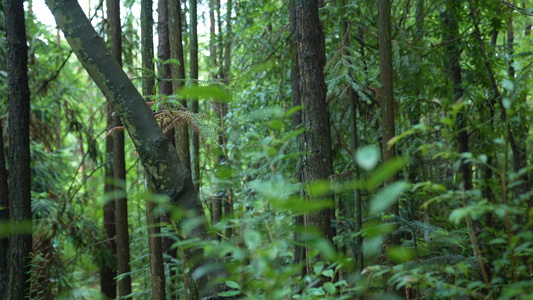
<point>193,53</point>
<point>108,271</point>
<point>178,80</point>
<point>227,200</point>
<point>353,100</point>
<point>20,244</point>
<point>216,208</point>
<point>317,139</point>
<point>387,91</point>
<point>119,166</point>
<point>387,101</point>
<point>157,269</point>
<point>453,53</point>
<point>4,215</point>
<point>299,251</point>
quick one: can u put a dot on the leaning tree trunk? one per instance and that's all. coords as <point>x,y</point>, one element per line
<point>317,139</point>
<point>20,244</point>
<point>166,172</point>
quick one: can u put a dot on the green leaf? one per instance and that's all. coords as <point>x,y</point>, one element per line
<point>399,254</point>
<point>329,287</point>
<point>318,267</point>
<point>507,84</point>
<point>387,196</point>
<point>328,273</point>
<point>252,239</point>
<point>384,173</point>
<point>275,124</point>
<point>229,293</point>
<point>293,110</point>
<point>367,157</point>
<point>209,92</point>
<point>233,284</point>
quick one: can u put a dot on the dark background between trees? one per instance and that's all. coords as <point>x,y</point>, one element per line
<point>266,150</point>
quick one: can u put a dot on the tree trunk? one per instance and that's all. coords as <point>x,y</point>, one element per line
<point>317,139</point>
<point>453,53</point>
<point>167,173</point>
<point>178,76</point>
<point>299,251</point>
<point>193,53</point>
<point>119,166</point>
<point>181,135</point>
<point>157,269</point>
<point>358,222</point>
<point>387,91</point>
<point>108,271</point>
<point>20,244</point>
<point>4,215</point>
<point>216,208</point>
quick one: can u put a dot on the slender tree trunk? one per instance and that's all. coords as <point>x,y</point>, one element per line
<point>227,200</point>
<point>317,139</point>
<point>353,100</point>
<point>216,209</point>
<point>157,269</point>
<point>299,251</point>
<point>4,216</point>
<point>178,76</point>
<point>119,166</point>
<point>20,244</point>
<point>178,81</point>
<point>387,91</point>
<point>108,271</point>
<point>388,115</point>
<point>453,53</point>
<point>193,53</point>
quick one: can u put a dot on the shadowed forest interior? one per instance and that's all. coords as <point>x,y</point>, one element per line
<point>284,149</point>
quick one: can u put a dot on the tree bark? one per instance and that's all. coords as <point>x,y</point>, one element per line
<point>193,53</point>
<point>108,270</point>
<point>20,244</point>
<point>157,269</point>
<point>4,215</point>
<point>454,73</point>
<point>181,134</point>
<point>388,116</point>
<point>119,166</point>
<point>178,76</point>
<point>317,139</point>
<point>299,251</point>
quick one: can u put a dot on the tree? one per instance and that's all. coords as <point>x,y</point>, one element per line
<point>193,53</point>
<point>4,215</point>
<point>166,172</point>
<point>108,270</point>
<point>119,167</point>
<point>20,244</point>
<point>157,269</point>
<point>317,138</point>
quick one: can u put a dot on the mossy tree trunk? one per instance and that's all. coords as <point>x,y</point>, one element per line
<point>165,171</point>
